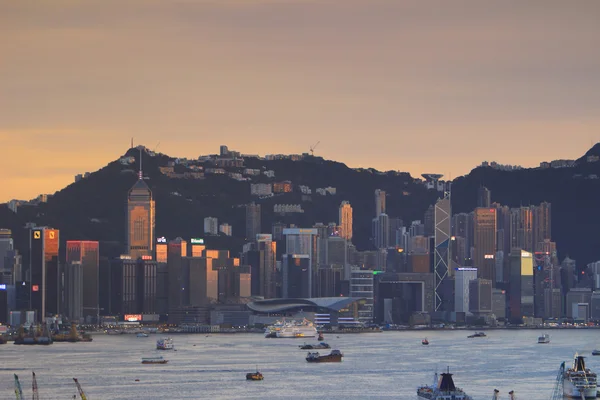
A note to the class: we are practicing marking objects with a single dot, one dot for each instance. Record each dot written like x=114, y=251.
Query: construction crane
x=34, y=388
x=98, y=309
x=81, y=393
x=18, y=390
x=313, y=147
x=557, y=393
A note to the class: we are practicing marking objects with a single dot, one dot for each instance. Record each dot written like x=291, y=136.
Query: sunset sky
x=417, y=86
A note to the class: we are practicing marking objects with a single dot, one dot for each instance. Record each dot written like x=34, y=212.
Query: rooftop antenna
x=132, y=142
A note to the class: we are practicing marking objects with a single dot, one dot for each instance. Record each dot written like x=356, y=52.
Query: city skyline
x=269, y=77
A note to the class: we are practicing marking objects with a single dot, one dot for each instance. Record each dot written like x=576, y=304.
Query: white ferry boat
x=271, y=330
x=442, y=390
x=545, y=338
x=294, y=329
x=165, y=344
x=578, y=381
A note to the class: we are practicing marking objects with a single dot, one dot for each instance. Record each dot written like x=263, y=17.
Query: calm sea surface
x=388, y=365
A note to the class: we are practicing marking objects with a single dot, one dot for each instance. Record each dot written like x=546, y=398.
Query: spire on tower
x=140, y=175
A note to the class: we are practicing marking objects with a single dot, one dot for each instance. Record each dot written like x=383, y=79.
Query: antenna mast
x=140, y=175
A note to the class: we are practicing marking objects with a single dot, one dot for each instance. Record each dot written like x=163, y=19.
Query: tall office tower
x=521, y=228
x=140, y=219
x=484, y=242
x=86, y=253
x=211, y=225
x=503, y=240
x=379, y=202
x=304, y=242
x=520, y=292
x=396, y=225
x=178, y=277
x=44, y=270
x=161, y=250
x=480, y=296
x=253, y=218
x=277, y=230
x=132, y=286
x=442, y=257
x=484, y=197
x=267, y=273
x=198, y=247
x=381, y=228
x=429, y=221
x=6, y=244
x=73, y=285
x=462, y=225
x=462, y=277
x=345, y=220
x=542, y=222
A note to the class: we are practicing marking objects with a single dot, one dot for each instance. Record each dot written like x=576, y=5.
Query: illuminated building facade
x=86, y=253
x=140, y=221
x=484, y=241
x=345, y=220
x=44, y=270
x=520, y=291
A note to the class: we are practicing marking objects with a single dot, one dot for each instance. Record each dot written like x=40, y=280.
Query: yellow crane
x=81, y=393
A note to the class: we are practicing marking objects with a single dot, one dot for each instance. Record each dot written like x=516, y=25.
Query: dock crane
x=81, y=393
x=313, y=147
x=18, y=390
x=34, y=388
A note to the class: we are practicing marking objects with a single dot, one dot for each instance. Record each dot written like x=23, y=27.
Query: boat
x=37, y=335
x=254, y=376
x=477, y=334
x=334, y=356
x=425, y=342
x=271, y=330
x=545, y=338
x=165, y=344
x=443, y=389
x=142, y=334
x=319, y=346
x=579, y=381
x=320, y=338
x=295, y=329
x=596, y=353
x=154, y=360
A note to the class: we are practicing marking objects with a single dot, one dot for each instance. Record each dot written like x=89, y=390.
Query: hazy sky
x=418, y=86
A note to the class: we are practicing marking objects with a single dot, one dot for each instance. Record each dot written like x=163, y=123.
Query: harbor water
x=387, y=365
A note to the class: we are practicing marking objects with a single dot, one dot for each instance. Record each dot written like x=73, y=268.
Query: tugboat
x=442, y=390
x=477, y=334
x=334, y=356
x=545, y=338
x=425, y=342
x=579, y=381
x=319, y=346
x=154, y=360
x=254, y=376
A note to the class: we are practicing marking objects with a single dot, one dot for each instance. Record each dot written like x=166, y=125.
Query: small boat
x=154, y=360
x=254, y=376
x=425, y=342
x=596, y=353
x=142, y=334
x=477, y=334
x=165, y=344
x=545, y=338
x=321, y=345
x=320, y=338
x=334, y=356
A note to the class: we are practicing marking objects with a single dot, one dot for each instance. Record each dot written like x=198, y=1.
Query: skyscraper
x=521, y=228
x=484, y=197
x=520, y=294
x=253, y=217
x=304, y=242
x=43, y=267
x=140, y=220
x=542, y=223
x=484, y=235
x=462, y=277
x=442, y=232
x=346, y=220
x=379, y=202
x=86, y=254
x=381, y=229
x=267, y=251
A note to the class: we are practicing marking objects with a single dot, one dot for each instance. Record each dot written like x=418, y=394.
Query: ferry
x=165, y=344
x=442, y=390
x=294, y=329
x=545, y=338
x=334, y=356
x=578, y=381
x=271, y=330
x=154, y=360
